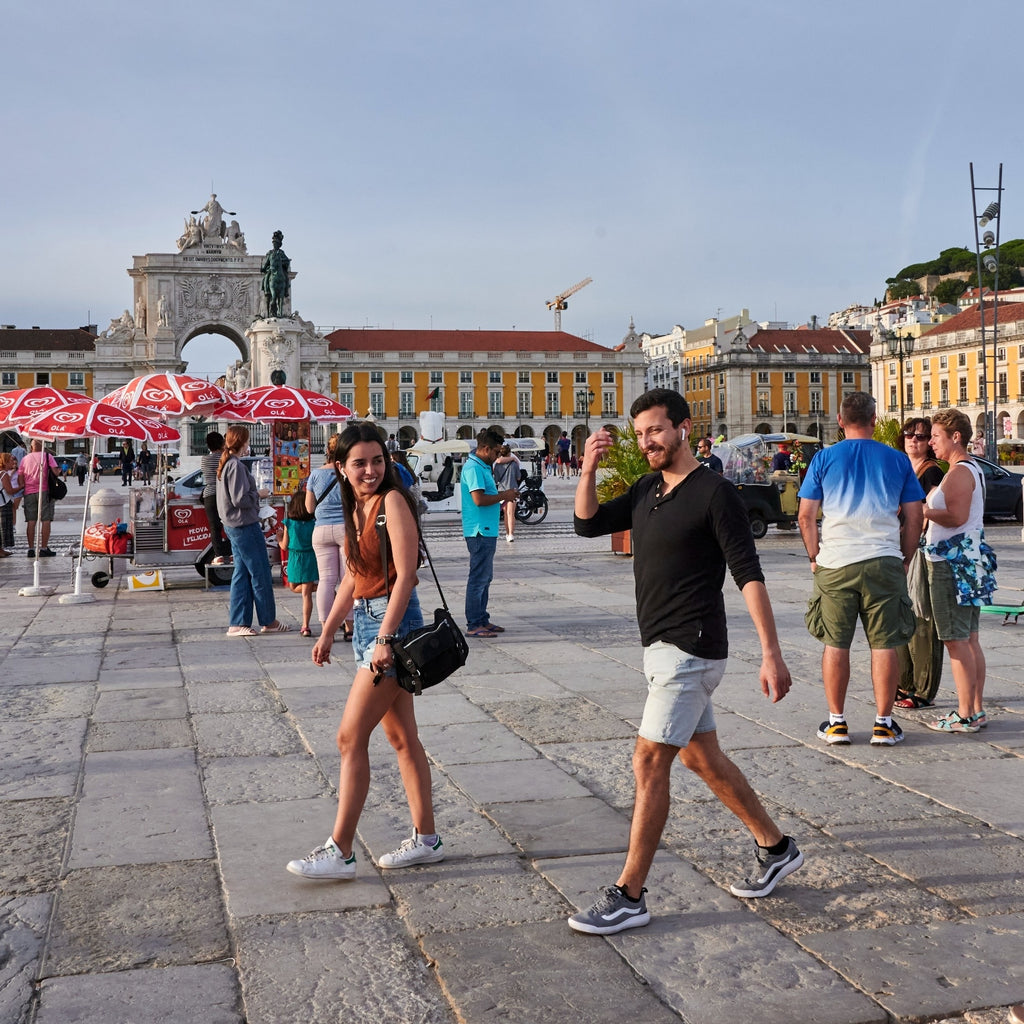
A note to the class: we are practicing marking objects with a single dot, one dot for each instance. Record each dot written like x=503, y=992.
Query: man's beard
x=664, y=455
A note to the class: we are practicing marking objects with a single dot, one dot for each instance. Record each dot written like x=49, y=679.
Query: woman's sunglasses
x=918, y=437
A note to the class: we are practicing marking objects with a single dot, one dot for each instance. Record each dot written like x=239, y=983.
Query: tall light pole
x=901, y=347
x=983, y=242
x=586, y=400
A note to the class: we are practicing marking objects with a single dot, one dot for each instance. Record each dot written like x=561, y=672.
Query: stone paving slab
x=256, y=841
x=141, y=677
x=359, y=967
x=532, y=780
x=147, y=735
x=118, y=918
x=536, y=973
x=474, y=743
x=70, y=700
x=140, y=705
x=241, y=780
x=552, y=828
x=572, y=719
x=23, y=923
x=925, y=970
x=706, y=956
x=247, y=733
x=32, y=838
x=54, y=668
x=171, y=995
x=41, y=758
x=240, y=696
x=140, y=807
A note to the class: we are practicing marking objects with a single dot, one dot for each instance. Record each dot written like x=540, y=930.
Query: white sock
x=836, y=719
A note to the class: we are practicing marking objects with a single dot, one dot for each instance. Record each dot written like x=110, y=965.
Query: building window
x=525, y=403
x=608, y=404
x=789, y=377
x=608, y=377
x=893, y=398
x=376, y=377
x=465, y=403
x=494, y=376
x=551, y=404
x=961, y=359
x=943, y=394
x=910, y=394
x=721, y=403
x=465, y=377
x=347, y=398
x=406, y=403
x=926, y=394
x=1001, y=354
x=344, y=376
x=76, y=379
x=552, y=376
x=436, y=377
x=815, y=376
x=764, y=403
x=377, y=403
x=982, y=390
x=762, y=376
x=42, y=379
x=847, y=376
x=943, y=362
x=8, y=380
x=816, y=405
x=962, y=391
x=405, y=376
x=1001, y=387
x=524, y=376
x=437, y=402
x=581, y=377
x=925, y=364
x=790, y=400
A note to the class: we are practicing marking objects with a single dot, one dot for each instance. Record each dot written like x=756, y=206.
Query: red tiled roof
x=822, y=342
x=62, y=340
x=970, y=319
x=371, y=339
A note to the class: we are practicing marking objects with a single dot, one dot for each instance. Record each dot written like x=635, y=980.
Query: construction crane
x=558, y=303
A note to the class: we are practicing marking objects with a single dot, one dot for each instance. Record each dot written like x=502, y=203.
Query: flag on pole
x=433, y=393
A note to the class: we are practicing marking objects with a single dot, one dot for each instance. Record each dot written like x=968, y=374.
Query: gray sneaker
x=613, y=912
x=325, y=861
x=774, y=867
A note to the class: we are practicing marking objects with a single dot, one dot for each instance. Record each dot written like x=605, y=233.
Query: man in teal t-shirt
x=481, y=520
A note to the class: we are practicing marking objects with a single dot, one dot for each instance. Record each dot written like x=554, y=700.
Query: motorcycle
x=532, y=504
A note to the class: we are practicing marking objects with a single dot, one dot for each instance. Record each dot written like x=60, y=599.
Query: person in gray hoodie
x=238, y=503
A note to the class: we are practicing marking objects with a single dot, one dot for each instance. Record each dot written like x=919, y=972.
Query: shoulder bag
x=428, y=655
x=58, y=488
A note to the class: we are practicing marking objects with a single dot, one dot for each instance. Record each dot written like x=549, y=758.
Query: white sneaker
x=509, y=538
x=411, y=852
x=325, y=861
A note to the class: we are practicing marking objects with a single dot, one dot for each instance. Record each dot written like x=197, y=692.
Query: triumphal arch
x=210, y=285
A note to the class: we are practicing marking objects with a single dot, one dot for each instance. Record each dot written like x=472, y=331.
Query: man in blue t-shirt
x=860, y=562
x=481, y=518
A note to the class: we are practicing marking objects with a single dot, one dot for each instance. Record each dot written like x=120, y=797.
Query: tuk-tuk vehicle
x=769, y=495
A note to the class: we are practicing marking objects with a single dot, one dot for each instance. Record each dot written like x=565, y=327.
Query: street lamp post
x=900, y=347
x=586, y=400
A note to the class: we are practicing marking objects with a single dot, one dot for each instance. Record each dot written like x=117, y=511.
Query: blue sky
x=455, y=164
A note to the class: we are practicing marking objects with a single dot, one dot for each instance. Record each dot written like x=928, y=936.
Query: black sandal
x=346, y=633
x=911, y=701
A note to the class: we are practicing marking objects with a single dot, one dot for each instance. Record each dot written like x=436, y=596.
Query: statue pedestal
x=276, y=345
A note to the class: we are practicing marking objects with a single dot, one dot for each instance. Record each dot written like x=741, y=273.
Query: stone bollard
x=106, y=505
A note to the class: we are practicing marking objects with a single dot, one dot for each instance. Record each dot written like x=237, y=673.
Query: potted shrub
x=621, y=467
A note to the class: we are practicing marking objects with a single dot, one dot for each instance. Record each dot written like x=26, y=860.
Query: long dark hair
x=353, y=434
x=235, y=440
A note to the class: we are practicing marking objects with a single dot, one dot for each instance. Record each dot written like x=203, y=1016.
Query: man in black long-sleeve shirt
x=688, y=525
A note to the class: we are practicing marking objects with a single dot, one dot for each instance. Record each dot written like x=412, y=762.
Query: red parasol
x=18, y=406
x=169, y=394
x=98, y=419
x=281, y=403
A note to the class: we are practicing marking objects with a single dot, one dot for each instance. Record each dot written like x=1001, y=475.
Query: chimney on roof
x=90, y=328
x=8, y=327
x=35, y=328
x=814, y=321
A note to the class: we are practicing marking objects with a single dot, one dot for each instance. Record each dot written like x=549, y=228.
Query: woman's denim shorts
x=368, y=614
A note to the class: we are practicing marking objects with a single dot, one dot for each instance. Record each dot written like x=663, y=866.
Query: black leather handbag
x=426, y=656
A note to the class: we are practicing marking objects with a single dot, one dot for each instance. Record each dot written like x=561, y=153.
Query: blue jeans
x=251, y=583
x=478, y=586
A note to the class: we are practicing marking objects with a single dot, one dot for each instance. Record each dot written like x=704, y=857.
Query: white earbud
x=683, y=436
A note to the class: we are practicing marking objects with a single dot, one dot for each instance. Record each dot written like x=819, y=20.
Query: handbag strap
x=327, y=490
x=382, y=538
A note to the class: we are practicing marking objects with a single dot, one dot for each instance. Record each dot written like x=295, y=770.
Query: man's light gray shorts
x=679, y=689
